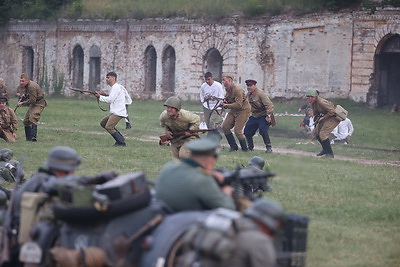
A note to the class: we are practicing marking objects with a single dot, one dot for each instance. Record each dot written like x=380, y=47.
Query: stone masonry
x=333, y=53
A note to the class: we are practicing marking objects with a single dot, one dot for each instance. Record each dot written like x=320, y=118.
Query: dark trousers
x=253, y=124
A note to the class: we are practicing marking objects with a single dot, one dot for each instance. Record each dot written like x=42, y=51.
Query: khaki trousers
x=34, y=112
x=237, y=121
x=7, y=135
x=324, y=128
x=109, y=122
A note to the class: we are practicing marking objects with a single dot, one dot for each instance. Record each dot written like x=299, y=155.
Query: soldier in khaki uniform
x=236, y=101
x=325, y=121
x=260, y=119
x=34, y=97
x=176, y=119
x=8, y=122
x=3, y=88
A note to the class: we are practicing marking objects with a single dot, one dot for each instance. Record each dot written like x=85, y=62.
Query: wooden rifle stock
x=165, y=138
x=20, y=99
x=87, y=92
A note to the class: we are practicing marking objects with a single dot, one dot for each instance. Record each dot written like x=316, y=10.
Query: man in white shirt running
x=342, y=132
x=211, y=95
x=117, y=102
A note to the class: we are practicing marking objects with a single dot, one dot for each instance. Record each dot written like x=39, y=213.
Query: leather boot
x=119, y=139
x=243, y=145
x=323, y=152
x=28, y=133
x=326, y=144
x=231, y=141
x=34, y=132
x=267, y=142
x=250, y=143
x=127, y=123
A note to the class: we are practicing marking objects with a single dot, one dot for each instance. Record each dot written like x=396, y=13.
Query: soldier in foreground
x=8, y=122
x=262, y=109
x=192, y=183
x=175, y=119
x=61, y=162
x=236, y=101
x=33, y=96
x=324, y=119
x=231, y=239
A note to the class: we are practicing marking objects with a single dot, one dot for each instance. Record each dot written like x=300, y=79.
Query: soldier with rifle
x=8, y=122
x=117, y=101
x=325, y=121
x=175, y=119
x=33, y=97
x=191, y=184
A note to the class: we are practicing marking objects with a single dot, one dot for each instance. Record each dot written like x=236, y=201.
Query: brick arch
x=168, y=71
x=150, y=69
x=213, y=62
x=77, y=66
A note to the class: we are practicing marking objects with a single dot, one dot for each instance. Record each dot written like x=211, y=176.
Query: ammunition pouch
x=89, y=257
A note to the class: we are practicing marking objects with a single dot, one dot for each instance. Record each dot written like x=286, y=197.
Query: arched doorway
x=387, y=70
x=77, y=67
x=168, y=65
x=94, y=68
x=213, y=63
x=28, y=60
x=150, y=69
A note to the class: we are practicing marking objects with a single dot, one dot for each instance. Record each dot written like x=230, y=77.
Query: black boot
x=250, y=143
x=323, y=152
x=243, y=145
x=28, y=133
x=127, y=123
x=326, y=144
x=34, y=132
x=119, y=139
x=267, y=142
x=231, y=142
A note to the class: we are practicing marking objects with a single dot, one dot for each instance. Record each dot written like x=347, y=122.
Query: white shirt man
x=211, y=94
x=343, y=131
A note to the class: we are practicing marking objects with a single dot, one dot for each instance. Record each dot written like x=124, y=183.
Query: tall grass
x=353, y=207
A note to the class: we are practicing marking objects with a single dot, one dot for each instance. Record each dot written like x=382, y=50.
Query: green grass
x=354, y=208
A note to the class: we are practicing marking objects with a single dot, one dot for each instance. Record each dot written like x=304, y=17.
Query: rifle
x=165, y=138
x=5, y=250
x=91, y=93
x=21, y=98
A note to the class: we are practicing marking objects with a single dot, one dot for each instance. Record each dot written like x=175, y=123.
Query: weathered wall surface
x=333, y=53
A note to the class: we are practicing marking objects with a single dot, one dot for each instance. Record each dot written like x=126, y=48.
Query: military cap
x=3, y=99
x=229, y=75
x=204, y=146
x=24, y=76
x=63, y=158
x=251, y=82
x=312, y=92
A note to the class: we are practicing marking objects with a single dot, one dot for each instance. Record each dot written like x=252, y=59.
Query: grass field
x=354, y=207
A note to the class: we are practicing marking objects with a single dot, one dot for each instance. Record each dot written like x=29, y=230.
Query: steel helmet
x=257, y=162
x=174, y=102
x=6, y=154
x=266, y=211
x=312, y=92
x=63, y=158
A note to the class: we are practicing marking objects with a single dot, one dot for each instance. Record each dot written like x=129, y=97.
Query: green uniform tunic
x=8, y=124
x=186, y=185
x=186, y=121
x=239, y=111
x=34, y=97
x=326, y=108
x=260, y=103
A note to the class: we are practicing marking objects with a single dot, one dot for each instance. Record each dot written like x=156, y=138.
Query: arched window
x=150, y=69
x=28, y=59
x=168, y=65
x=77, y=67
x=213, y=63
x=387, y=69
x=94, y=68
